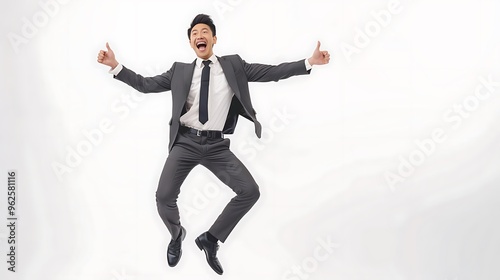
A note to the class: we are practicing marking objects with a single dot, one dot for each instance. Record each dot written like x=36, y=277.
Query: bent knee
x=166, y=197
x=252, y=193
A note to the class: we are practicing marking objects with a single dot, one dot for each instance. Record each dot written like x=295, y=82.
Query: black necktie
x=205, y=78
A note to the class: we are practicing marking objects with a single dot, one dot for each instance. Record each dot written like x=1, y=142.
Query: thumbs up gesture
x=107, y=57
x=319, y=57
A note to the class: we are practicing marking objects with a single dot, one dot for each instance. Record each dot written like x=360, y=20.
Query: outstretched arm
x=157, y=83
x=257, y=72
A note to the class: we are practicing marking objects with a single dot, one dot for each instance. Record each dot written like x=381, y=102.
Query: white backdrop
x=381, y=165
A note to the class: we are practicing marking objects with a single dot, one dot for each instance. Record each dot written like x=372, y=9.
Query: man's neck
x=200, y=60
x=208, y=57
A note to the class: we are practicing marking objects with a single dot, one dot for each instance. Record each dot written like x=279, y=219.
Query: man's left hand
x=319, y=57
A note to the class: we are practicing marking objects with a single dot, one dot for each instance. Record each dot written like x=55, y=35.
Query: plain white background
x=330, y=140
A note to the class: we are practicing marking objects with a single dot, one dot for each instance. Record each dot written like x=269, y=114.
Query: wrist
x=310, y=61
x=114, y=64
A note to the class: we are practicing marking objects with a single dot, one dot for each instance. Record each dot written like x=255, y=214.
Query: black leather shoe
x=210, y=249
x=174, y=250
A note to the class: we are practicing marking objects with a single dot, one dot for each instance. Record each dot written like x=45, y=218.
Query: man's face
x=202, y=40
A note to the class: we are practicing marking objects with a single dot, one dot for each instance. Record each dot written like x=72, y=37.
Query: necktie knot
x=206, y=62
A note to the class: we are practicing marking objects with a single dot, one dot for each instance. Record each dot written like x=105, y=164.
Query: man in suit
x=208, y=95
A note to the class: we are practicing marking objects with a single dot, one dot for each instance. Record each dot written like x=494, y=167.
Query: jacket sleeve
x=257, y=72
x=157, y=83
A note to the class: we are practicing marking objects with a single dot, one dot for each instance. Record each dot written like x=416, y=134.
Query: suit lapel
x=228, y=70
x=188, y=79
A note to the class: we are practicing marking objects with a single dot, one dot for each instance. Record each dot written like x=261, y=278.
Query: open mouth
x=202, y=46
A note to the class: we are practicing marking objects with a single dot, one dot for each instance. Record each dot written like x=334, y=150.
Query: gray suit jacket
x=238, y=73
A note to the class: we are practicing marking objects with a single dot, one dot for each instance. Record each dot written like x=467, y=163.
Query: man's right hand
x=107, y=57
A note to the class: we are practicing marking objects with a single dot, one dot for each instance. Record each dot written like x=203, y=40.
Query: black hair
x=202, y=18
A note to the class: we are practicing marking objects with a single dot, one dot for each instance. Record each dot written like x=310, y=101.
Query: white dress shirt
x=220, y=95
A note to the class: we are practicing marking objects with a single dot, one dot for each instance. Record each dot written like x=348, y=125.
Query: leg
x=181, y=160
x=231, y=171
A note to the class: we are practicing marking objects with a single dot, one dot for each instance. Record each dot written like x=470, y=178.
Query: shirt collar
x=213, y=58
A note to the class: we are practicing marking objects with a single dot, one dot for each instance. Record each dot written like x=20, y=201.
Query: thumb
x=107, y=47
x=318, y=45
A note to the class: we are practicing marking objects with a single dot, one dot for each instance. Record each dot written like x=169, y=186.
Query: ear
x=215, y=40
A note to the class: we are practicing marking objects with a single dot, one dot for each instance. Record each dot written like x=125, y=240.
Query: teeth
x=198, y=44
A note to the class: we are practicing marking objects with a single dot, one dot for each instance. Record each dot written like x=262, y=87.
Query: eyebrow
x=204, y=28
